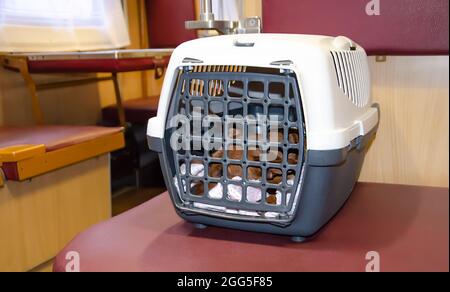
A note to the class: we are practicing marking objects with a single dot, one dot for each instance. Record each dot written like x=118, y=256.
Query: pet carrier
x=264, y=132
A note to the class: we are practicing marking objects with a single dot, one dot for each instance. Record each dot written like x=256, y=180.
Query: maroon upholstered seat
x=408, y=226
x=42, y=147
x=404, y=27
x=53, y=137
x=137, y=111
x=96, y=65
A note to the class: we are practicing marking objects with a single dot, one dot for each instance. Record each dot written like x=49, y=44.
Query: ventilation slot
x=353, y=76
x=215, y=87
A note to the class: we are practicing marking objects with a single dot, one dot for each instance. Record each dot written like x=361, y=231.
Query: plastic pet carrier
x=264, y=132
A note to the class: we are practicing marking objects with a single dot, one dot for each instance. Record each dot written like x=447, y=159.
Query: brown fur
x=274, y=175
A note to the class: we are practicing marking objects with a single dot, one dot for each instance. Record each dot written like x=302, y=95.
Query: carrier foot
x=298, y=239
x=200, y=226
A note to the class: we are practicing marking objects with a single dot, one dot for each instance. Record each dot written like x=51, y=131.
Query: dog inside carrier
x=264, y=132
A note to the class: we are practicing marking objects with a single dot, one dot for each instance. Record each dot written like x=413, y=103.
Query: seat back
x=411, y=86
x=165, y=21
x=403, y=27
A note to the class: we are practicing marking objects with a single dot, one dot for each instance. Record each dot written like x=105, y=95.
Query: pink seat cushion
x=404, y=27
x=137, y=111
x=97, y=65
x=408, y=227
x=53, y=137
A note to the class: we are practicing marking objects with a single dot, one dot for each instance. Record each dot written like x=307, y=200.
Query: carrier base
x=329, y=180
x=299, y=239
x=200, y=226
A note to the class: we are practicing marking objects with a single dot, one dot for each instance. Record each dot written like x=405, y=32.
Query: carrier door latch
x=282, y=63
x=243, y=44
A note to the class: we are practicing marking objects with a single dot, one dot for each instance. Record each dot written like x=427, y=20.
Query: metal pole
x=206, y=13
x=208, y=22
x=119, y=104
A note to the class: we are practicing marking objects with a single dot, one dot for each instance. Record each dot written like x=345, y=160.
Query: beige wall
x=412, y=145
x=75, y=105
x=253, y=8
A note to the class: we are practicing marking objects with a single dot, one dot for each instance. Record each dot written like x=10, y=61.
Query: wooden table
x=408, y=227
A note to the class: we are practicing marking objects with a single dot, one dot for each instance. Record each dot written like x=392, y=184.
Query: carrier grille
x=254, y=168
x=353, y=76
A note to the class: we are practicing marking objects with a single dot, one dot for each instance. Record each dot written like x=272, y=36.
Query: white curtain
x=62, y=25
x=228, y=9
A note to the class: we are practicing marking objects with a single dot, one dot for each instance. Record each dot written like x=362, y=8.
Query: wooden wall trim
x=39, y=217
